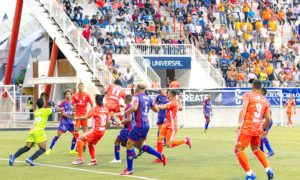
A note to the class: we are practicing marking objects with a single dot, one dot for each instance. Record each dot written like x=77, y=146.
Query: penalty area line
x=85, y=170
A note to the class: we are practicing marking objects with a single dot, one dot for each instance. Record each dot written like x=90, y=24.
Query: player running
x=161, y=99
x=291, y=110
x=169, y=129
x=249, y=130
x=207, y=111
x=81, y=100
x=36, y=134
x=114, y=94
x=100, y=116
x=123, y=135
x=264, y=139
x=66, y=122
x=141, y=106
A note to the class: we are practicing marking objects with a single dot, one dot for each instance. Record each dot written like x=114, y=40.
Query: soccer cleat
x=157, y=161
x=270, y=174
x=11, y=159
x=164, y=159
x=205, y=130
x=77, y=162
x=84, y=148
x=73, y=152
x=189, y=142
x=48, y=151
x=115, y=161
x=30, y=161
x=139, y=154
x=126, y=172
x=92, y=163
x=270, y=154
x=252, y=177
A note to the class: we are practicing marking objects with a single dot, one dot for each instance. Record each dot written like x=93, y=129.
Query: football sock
x=261, y=145
x=261, y=157
x=79, y=148
x=177, y=143
x=38, y=153
x=84, y=143
x=76, y=135
x=165, y=141
x=92, y=151
x=117, y=152
x=160, y=146
x=243, y=160
x=206, y=125
x=150, y=150
x=267, y=144
x=53, y=142
x=158, y=133
x=130, y=156
x=21, y=151
x=73, y=143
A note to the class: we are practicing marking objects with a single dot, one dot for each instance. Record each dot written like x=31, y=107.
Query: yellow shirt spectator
x=270, y=69
x=272, y=25
x=245, y=7
x=249, y=27
x=257, y=70
x=280, y=14
x=258, y=25
x=221, y=7
x=154, y=41
x=237, y=26
x=263, y=76
x=246, y=36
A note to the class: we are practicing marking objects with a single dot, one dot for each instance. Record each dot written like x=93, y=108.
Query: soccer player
x=291, y=110
x=100, y=116
x=123, y=135
x=249, y=130
x=141, y=106
x=66, y=122
x=161, y=99
x=264, y=139
x=169, y=129
x=81, y=100
x=207, y=111
x=114, y=94
x=36, y=134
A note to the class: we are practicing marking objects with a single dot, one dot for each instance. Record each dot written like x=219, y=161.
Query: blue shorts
x=64, y=127
x=161, y=120
x=269, y=127
x=138, y=133
x=207, y=117
x=123, y=136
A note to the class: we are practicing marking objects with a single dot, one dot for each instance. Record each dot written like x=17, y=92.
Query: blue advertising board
x=163, y=62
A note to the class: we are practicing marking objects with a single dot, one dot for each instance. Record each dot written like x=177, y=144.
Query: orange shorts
x=82, y=123
x=289, y=114
x=93, y=136
x=113, y=107
x=168, y=133
x=243, y=140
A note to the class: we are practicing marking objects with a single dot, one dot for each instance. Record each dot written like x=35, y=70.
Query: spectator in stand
x=100, y=4
x=68, y=6
x=86, y=21
x=154, y=41
x=174, y=84
x=86, y=33
x=93, y=41
x=108, y=44
x=117, y=44
x=213, y=59
x=290, y=16
x=221, y=6
x=266, y=16
x=251, y=76
x=231, y=82
x=155, y=85
x=246, y=10
x=109, y=29
x=241, y=78
x=281, y=16
x=129, y=77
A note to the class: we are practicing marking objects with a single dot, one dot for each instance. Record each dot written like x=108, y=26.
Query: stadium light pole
x=13, y=42
x=51, y=69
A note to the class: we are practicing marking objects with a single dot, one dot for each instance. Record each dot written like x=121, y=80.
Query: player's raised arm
x=127, y=120
x=242, y=112
x=133, y=108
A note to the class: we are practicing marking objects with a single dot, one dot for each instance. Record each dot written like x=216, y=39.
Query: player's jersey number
x=37, y=120
x=116, y=91
x=257, y=113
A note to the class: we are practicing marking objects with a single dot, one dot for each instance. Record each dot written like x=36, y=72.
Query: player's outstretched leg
x=21, y=151
x=117, y=152
x=80, y=152
x=92, y=153
x=206, y=125
x=73, y=144
x=241, y=155
x=53, y=142
x=268, y=146
x=39, y=152
x=262, y=158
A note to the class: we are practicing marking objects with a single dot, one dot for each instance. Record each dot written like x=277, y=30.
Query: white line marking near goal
x=86, y=170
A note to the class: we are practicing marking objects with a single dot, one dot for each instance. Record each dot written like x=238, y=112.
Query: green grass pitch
x=212, y=157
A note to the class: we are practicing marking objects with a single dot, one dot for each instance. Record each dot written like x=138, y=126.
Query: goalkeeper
x=36, y=134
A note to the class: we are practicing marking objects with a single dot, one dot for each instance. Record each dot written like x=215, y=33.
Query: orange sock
x=121, y=118
x=76, y=135
x=177, y=143
x=84, y=143
x=79, y=148
x=160, y=146
x=92, y=151
x=261, y=157
x=243, y=160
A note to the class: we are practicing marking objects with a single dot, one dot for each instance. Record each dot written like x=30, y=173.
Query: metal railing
x=78, y=41
x=143, y=65
x=212, y=72
x=165, y=49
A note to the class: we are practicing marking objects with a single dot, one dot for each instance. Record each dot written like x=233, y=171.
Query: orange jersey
x=257, y=107
x=114, y=94
x=100, y=116
x=81, y=101
x=290, y=105
x=172, y=110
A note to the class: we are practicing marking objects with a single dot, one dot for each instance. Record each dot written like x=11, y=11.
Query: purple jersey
x=207, y=106
x=141, y=114
x=161, y=100
x=129, y=126
x=67, y=108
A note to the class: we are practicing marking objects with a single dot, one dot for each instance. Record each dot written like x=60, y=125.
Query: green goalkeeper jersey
x=41, y=117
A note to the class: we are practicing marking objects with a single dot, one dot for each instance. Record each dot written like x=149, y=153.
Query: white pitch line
x=86, y=170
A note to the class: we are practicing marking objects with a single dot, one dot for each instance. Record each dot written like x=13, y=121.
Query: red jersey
x=257, y=107
x=290, y=105
x=81, y=101
x=100, y=116
x=172, y=110
x=174, y=84
x=114, y=93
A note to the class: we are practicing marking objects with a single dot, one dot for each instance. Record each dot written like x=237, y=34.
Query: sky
x=8, y=7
